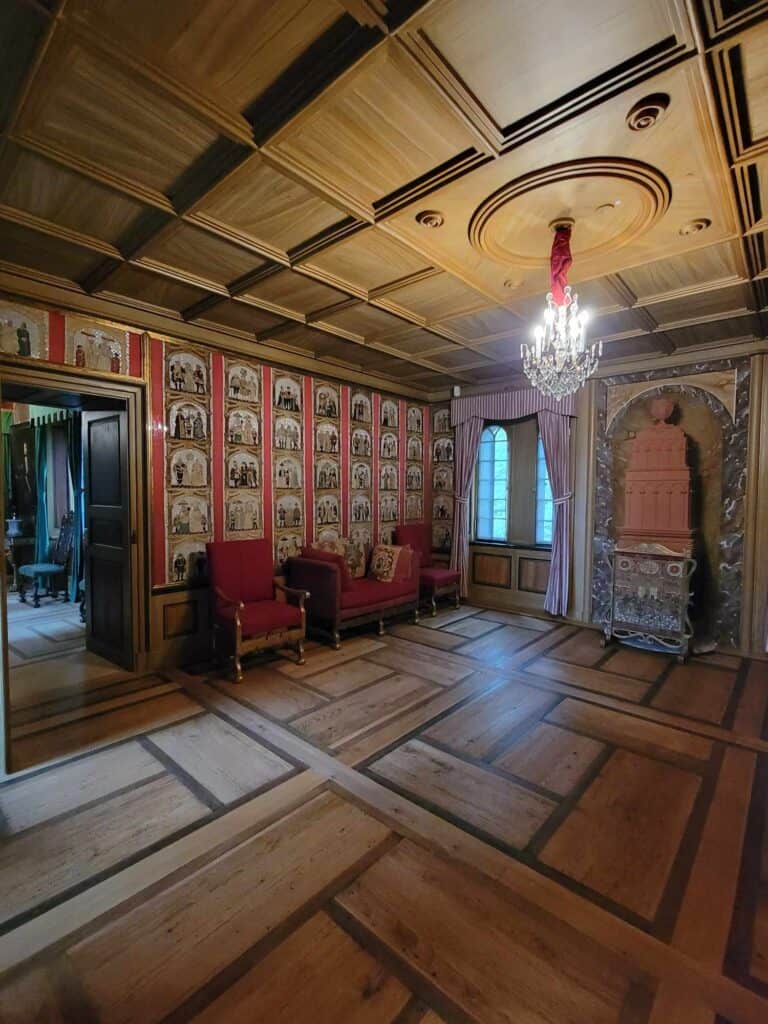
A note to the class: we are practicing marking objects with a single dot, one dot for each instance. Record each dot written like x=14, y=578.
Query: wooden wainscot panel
x=532, y=575
x=180, y=619
x=508, y=578
x=179, y=627
x=492, y=570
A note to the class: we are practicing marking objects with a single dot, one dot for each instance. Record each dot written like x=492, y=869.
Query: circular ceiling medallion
x=647, y=111
x=692, y=227
x=430, y=219
x=513, y=226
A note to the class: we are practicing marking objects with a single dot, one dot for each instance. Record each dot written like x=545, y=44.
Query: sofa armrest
x=321, y=579
x=298, y=596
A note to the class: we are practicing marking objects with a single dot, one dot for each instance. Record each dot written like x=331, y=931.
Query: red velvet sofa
x=333, y=607
x=434, y=580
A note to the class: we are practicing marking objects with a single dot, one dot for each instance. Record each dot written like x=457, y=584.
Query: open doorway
x=67, y=548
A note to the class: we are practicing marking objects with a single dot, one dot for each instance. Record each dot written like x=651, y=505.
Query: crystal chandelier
x=559, y=361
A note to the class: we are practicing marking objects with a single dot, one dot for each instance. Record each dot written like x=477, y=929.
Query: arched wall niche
x=717, y=454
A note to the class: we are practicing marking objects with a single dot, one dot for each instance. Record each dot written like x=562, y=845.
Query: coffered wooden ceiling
x=369, y=183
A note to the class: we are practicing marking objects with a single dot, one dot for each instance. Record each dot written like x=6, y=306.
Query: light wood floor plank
x=332, y=724
x=492, y=804
x=440, y=638
x=704, y=920
x=673, y=1007
x=199, y=846
x=478, y=726
x=551, y=757
x=184, y=936
x=471, y=629
x=360, y=749
x=589, y=679
x=628, y=661
x=32, y=998
x=624, y=833
x=338, y=982
x=498, y=647
x=516, y=619
x=495, y=957
x=272, y=692
x=336, y=682
x=321, y=658
x=38, y=865
x=584, y=648
x=696, y=692
x=57, y=790
x=423, y=662
x=220, y=757
x=91, y=709
x=92, y=733
x=446, y=615
x=750, y=713
x=627, y=731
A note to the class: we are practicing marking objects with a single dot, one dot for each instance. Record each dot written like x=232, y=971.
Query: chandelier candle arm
x=559, y=362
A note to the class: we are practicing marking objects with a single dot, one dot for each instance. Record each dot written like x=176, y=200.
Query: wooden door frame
x=134, y=394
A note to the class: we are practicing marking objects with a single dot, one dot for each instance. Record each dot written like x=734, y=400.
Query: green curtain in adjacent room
x=42, y=538
x=7, y=423
x=75, y=457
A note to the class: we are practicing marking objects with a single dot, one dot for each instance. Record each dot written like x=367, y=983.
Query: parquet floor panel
x=482, y=818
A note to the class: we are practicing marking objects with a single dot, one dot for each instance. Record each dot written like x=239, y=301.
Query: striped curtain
x=42, y=536
x=555, y=433
x=465, y=445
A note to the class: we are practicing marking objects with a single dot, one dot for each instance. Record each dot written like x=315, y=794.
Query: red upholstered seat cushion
x=433, y=578
x=419, y=537
x=242, y=569
x=367, y=593
x=261, y=617
x=320, y=555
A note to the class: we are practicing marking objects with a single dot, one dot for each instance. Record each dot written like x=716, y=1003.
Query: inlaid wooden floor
x=485, y=817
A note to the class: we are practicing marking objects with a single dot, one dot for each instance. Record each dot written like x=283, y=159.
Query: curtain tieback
x=565, y=497
x=461, y=501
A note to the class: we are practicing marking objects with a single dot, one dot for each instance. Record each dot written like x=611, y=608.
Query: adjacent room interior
x=384, y=605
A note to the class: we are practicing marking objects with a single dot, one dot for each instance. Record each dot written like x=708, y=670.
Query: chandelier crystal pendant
x=559, y=361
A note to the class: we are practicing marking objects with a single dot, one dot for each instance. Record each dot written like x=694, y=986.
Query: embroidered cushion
x=353, y=554
x=384, y=561
x=356, y=556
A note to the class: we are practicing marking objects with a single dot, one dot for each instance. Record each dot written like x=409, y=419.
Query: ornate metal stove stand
x=650, y=595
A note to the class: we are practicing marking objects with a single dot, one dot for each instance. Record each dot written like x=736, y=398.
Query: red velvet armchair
x=246, y=614
x=434, y=581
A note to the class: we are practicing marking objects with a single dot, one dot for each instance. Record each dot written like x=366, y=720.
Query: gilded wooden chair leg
x=457, y=599
x=336, y=638
x=238, y=669
x=300, y=652
x=381, y=627
x=433, y=602
x=416, y=614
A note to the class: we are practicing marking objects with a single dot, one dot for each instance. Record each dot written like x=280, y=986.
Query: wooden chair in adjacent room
x=53, y=569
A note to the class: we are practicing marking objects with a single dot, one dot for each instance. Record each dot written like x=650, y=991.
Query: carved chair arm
x=225, y=599
x=300, y=595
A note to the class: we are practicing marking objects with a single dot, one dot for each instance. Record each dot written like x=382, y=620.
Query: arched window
x=544, y=505
x=493, y=484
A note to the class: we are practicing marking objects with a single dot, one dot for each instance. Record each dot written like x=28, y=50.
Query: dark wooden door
x=108, y=539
